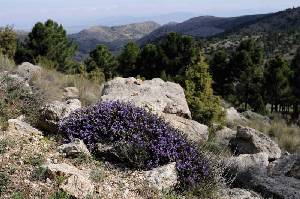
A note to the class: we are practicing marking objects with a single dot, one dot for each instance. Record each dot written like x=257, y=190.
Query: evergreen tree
x=49, y=40
x=8, y=41
x=295, y=83
x=128, y=60
x=102, y=60
x=277, y=76
x=205, y=107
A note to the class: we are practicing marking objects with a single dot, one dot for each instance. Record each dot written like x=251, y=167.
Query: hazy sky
x=24, y=13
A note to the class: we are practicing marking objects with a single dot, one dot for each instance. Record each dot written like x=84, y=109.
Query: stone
x=17, y=125
x=194, y=131
x=76, y=182
x=71, y=93
x=255, y=116
x=162, y=178
x=74, y=149
x=154, y=95
x=223, y=137
x=248, y=163
x=232, y=115
x=288, y=165
x=237, y=193
x=28, y=70
x=250, y=141
x=53, y=113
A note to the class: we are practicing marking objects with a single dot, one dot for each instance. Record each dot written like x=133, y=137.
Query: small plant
x=17, y=195
x=35, y=160
x=60, y=195
x=148, y=137
x=4, y=179
x=97, y=175
x=39, y=174
x=3, y=146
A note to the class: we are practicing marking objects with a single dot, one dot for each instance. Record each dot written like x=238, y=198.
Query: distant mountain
x=203, y=26
x=114, y=37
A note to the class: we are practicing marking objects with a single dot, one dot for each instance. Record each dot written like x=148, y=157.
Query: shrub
x=17, y=99
x=116, y=122
x=4, y=179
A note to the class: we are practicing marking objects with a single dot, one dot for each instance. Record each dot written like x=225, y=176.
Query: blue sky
x=24, y=13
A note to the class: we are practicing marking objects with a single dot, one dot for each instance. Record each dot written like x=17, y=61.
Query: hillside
x=114, y=37
x=203, y=26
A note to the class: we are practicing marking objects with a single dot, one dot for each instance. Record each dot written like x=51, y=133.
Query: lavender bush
x=117, y=122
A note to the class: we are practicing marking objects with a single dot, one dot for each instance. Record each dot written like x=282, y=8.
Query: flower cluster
x=118, y=122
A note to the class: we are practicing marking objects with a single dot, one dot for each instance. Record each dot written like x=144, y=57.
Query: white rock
x=74, y=149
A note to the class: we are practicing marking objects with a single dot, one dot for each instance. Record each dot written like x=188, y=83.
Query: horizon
x=77, y=15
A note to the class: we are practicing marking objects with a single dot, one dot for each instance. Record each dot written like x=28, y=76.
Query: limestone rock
x=255, y=116
x=76, y=183
x=233, y=115
x=288, y=165
x=54, y=112
x=223, y=137
x=74, y=149
x=155, y=95
x=237, y=193
x=28, y=70
x=162, y=178
x=250, y=141
x=71, y=93
x=17, y=125
x=194, y=131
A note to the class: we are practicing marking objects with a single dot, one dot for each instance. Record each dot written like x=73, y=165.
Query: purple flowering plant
x=119, y=122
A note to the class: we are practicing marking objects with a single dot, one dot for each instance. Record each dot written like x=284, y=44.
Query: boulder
x=255, y=116
x=28, y=70
x=53, y=113
x=154, y=95
x=17, y=125
x=237, y=193
x=288, y=165
x=194, y=131
x=71, y=93
x=74, y=149
x=250, y=141
x=223, y=137
x=233, y=115
x=162, y=178
x=244, y=164
x=76, y=182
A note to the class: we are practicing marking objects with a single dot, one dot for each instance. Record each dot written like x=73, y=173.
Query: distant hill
x=203, y=26
x=114, y=37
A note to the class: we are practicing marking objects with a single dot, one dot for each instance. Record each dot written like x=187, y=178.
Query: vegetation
x=8, y=41
x=151, y=141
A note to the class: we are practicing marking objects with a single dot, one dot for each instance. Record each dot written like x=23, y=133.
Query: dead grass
x=52, y=83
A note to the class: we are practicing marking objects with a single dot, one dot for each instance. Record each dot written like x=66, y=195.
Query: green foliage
x=205, y=107
x=17, y=99
x=102, y=60
x=277, y=78
x=8, y=41
x=97, y=175
x=49, y=40
x=295, y=82
x=128, y=60
x=60, y=195
x=4, y=180
x=17, y=195
x=39, y=174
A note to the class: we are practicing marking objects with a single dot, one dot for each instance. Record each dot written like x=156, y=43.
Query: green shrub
x=60, y=195
x=4, y=179
x=39, y=174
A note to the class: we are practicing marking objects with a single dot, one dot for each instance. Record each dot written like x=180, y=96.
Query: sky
x=22, y=14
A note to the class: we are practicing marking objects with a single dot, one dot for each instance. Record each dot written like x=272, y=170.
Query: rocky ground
x=35, y=163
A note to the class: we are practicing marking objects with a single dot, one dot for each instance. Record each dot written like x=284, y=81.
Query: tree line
x=242, y=77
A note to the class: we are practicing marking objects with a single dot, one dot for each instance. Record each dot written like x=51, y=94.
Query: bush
x=17, y=99
x=4, y=179
x=157, y=143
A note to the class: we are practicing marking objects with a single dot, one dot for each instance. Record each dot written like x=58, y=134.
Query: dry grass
x=52, y=83
x=6, y=64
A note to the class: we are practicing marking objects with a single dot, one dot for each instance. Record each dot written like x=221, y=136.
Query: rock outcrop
x=54, y=112
x=288, y=165
x=194, y=131
x=232, y=115
x=76, y=182
x=223, y=137
x=250, y=141
x=154, y=95
x=74, y=149
x=237, y=193
x=71, y=93
x=28, y=70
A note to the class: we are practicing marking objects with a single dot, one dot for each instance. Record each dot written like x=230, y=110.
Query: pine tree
x=128, y=60
x=49, y=40
x=8, y=41
x=102, y=60
x=205, y=107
